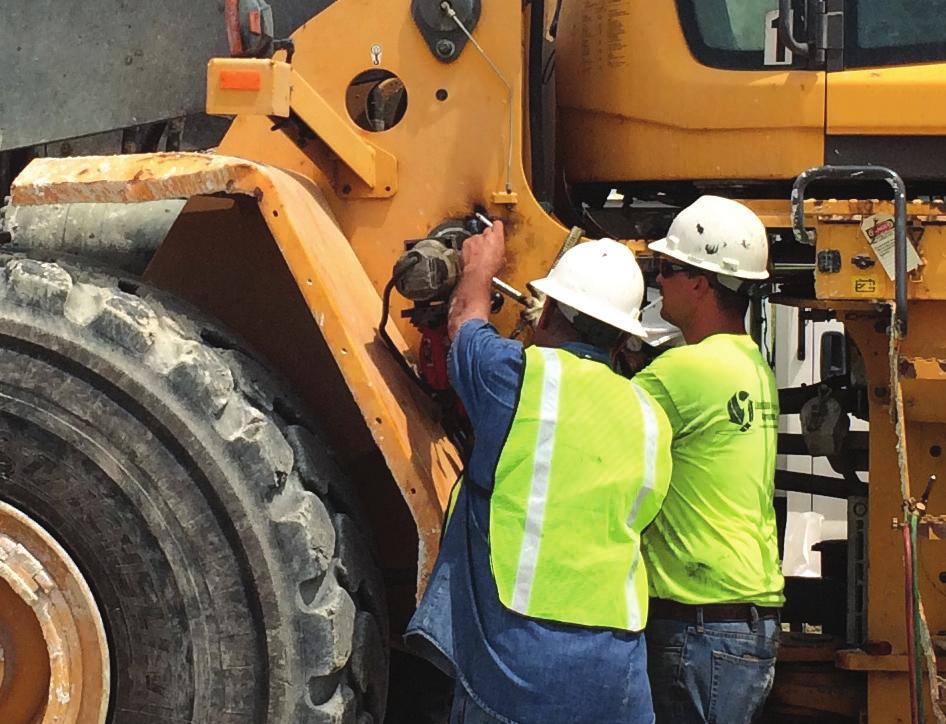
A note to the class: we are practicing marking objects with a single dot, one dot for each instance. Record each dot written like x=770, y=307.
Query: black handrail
x=863, y=173
x=785, y=32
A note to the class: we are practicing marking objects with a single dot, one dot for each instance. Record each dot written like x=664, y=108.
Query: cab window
x=894, y=32
x=728, y=33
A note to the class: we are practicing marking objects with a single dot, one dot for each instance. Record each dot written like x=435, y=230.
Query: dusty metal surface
x=924, y=429
x=375, y=168
x=118, y=236
x=50, y=626
x=112, y=64
x=860, y=274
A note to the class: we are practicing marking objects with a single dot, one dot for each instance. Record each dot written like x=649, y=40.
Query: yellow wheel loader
x=225, y=456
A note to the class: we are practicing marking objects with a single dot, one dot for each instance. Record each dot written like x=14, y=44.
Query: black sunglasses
x=667, y=268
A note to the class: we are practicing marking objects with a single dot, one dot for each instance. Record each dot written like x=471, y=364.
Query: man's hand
x=484, y=256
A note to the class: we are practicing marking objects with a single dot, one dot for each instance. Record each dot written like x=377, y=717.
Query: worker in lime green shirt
x=715, y=577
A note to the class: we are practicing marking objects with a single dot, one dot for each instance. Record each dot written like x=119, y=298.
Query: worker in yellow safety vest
x=539, y=596
x=712, y=554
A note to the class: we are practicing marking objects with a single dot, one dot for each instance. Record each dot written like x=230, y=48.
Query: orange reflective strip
x=247, y=80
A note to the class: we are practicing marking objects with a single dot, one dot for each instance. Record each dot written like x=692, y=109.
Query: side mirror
x=834, y=358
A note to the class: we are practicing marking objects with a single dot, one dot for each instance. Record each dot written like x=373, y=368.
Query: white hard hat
x=718, y=235
x=600, y=279
x=658, y=331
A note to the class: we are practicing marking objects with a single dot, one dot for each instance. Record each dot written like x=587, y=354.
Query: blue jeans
x=465, y=710
x=708, y=672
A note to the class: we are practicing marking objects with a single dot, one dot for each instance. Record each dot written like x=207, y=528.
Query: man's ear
x=701, y=285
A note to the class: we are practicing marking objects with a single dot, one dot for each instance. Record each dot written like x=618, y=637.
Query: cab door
x=684, y=90
x=886, y=97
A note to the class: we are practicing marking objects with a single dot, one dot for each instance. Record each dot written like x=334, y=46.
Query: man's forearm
x=483, y=258
x=470, y=300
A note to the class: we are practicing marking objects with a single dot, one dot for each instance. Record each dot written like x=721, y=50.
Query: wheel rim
x=54, y=663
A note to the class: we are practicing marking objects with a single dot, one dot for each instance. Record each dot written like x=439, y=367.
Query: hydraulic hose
x=910, y=607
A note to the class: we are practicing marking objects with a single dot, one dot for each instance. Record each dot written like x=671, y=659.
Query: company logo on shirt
x=741, y=410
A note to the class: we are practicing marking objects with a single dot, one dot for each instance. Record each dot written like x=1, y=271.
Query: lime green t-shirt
x=714, y=540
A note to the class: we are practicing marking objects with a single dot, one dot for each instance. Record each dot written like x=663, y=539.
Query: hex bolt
x=445, y=48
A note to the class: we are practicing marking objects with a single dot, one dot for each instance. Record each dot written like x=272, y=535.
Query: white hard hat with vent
x=600, y=279
x=718, y=235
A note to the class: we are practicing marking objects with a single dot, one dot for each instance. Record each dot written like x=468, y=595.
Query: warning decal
x=880, y=234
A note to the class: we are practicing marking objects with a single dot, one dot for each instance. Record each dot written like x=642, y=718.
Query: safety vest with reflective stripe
x=584, y=469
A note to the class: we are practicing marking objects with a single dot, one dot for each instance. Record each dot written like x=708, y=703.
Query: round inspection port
x=376, y=100
x=55, y=654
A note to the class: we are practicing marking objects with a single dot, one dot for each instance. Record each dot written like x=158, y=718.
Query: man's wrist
x=477, y=275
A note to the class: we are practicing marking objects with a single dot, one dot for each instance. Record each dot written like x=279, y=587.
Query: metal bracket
x=856, y=174
x=369, y=171
x=444, y=38
x=829, y=261
x=829, y=33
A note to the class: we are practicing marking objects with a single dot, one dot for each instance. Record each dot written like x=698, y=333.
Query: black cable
x=386, y=338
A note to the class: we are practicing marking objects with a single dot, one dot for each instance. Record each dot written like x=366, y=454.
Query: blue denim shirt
x=517, y=668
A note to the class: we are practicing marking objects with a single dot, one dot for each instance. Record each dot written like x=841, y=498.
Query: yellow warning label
x=864, y=286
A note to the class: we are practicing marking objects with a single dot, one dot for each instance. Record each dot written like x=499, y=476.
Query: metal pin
x=500, y=286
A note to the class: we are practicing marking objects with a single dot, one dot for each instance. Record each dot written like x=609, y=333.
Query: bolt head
x=445, y=48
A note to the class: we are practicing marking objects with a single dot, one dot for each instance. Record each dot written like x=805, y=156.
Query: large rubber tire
x=217, y=534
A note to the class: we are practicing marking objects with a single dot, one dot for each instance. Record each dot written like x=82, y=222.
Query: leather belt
x=716, y=612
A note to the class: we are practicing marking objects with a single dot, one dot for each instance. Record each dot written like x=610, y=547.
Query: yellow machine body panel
x=451, y=154
x=898, y=100
x=861, y=275
x=635, y=104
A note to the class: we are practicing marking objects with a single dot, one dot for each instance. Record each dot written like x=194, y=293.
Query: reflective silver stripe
x=634, y=622
x=651, y=435
x=539, y=486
